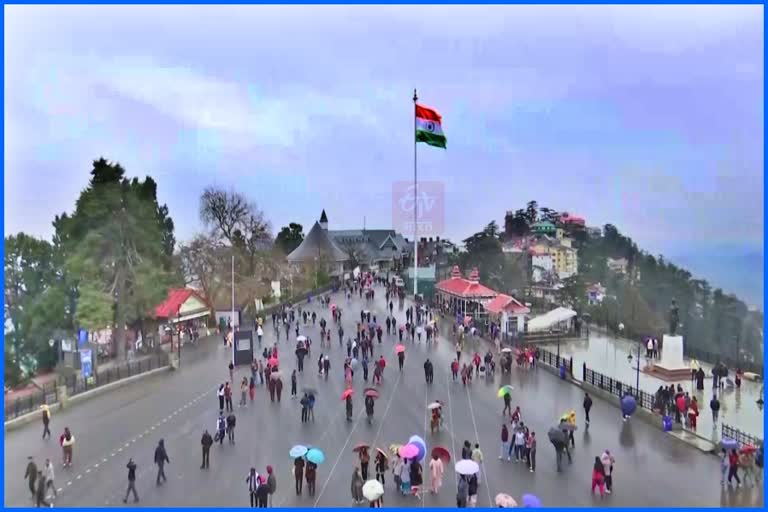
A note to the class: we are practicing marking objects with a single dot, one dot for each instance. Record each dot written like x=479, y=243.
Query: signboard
x=66, y=345
x=86, y=362
x=276, y=289
x=82, y=337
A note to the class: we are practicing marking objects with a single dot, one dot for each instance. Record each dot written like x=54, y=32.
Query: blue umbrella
x=421, y=445
x=298, y=451
x=531, y=501
x=628, y=405
x=315, y=456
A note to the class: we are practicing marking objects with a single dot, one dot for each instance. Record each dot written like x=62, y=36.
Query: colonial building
x=508, y=313
x=318, y=248
x=463, y=296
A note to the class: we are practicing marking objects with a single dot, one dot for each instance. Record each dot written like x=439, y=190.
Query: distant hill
x=736, y=269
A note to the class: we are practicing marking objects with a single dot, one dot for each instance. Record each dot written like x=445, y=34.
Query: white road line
x=453, y=439
x=120, y=449
x=127, y=445
x=477, y=437
x=59, y=489
x=96, y=465
x=104, y=460
x=113, y=454
x=338, y=459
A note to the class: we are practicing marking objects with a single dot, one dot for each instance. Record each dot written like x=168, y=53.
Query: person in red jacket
x=693, y=413
x=455, y=369
x=598, y=477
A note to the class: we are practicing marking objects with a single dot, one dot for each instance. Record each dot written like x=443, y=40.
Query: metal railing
x=77, y=384
x=15, y=407
x=729, y=432
x=730, y=362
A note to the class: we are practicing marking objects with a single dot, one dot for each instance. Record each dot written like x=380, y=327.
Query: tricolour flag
x=429, y=127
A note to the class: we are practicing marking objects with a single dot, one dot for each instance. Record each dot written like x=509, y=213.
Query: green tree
x=117, y=244
x=290, y=237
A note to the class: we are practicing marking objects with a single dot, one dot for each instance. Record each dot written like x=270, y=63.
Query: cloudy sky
x=646, y=117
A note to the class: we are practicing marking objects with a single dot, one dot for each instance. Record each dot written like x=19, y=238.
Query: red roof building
x=505, y=303
x=463, y=288
x=182, y=304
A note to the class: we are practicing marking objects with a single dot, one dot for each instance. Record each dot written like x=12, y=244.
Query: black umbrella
x=310, y=391
x=556, y=436
x=568, y=427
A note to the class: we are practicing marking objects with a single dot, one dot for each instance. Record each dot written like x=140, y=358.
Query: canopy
x=550, y=319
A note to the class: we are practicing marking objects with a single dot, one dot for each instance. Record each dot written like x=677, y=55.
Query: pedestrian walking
x=161, y=457
x=519, y=443
x=221, y=427
x=243, y=392
x=436, y=471
x=714, y=404
x=231, y=428
x=220, y=395
x=252, y=389
x=228, y=397
x=293, y=384
x=417, y=478
x=472, y=491
x=504, y=442
x=380, y=463
x=131, y=482
x=46, y=416
x=231, y=372
x=462, y=492
x=608, y=461
x=587, y=404
x=365, y=460
x=598, y=477
x=733, y=468
x=31, y=475
x=298, y=474
x=40, y=492
x=206, y=442
x=311, y=476
x=253, y=484
x=262, y=493
x=507, y=404
x=271, y=484
x=531, y=449
x=357, y=487
x=67, y=441
x=49, y=475
x=477, y=456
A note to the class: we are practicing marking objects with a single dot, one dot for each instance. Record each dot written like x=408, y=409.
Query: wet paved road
x=652, y=468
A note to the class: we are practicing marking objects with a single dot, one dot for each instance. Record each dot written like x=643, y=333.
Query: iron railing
x=77, y=384
x=729, y=432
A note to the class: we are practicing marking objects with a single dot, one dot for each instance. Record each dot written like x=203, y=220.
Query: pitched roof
x=316, y=244
x=176, y=298
x=324, y=217
x=468, y=288
x=506, y=303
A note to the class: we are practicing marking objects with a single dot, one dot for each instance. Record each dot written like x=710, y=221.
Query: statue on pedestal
x=674, y=318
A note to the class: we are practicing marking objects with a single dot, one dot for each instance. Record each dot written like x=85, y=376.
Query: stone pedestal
x=173, y=360
x=63, y=396
x=672, y=365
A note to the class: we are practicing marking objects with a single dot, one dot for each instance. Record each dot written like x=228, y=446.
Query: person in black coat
x=262, y=495
x=587, y=406
x=161, y=457
x=231, y=428
x=298, y=474
x=206, y=442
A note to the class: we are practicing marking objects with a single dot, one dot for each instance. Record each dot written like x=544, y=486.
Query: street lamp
x=637, y=370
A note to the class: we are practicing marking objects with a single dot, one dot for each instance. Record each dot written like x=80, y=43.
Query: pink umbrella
x=272, y=361
x=399, y=349
x=408, y=451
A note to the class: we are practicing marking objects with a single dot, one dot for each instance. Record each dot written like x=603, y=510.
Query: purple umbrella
x=531, y=501
x=409, y=451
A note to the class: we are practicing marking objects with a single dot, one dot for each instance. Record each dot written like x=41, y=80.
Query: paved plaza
x=652, y=468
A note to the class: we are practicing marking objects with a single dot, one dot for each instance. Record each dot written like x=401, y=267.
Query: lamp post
x=637, y=370
x=178, y=325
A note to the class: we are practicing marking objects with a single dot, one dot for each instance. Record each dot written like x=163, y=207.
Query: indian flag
x=429, y=127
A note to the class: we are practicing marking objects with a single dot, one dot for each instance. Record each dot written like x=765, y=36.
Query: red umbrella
x=748, y=448
x=359, y=447
x=442, y=453
x=399, y=348
x=272, y=361
x=372, y=393
x=347, y=393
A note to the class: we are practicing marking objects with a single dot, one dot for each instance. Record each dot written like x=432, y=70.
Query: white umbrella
x=467, y=467
x=301, y=338
x=373, y=490
x=506, y=350
x=505, y=501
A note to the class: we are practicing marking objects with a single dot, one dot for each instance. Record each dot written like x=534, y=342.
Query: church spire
x=323, y=220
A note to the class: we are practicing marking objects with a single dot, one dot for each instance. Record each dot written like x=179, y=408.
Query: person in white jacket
x=608, y=461
x=48, y=474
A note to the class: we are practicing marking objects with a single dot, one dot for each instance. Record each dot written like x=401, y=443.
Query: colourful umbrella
x=467, y=467
x=272, y=361
x=361, y=446
x=372, y=393
x=347, y=393
x=505, y=501
x=315, y=456
x=442, y=454
x=394, y=448
x=383, y=453
x=399, y=348
x=531, y=501
x=373, y=490
x=298, y=451
x=506, y=389
x=421, y=445
x=409, y=451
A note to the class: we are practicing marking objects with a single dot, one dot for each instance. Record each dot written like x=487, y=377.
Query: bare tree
x=204, y=264
x=355, y=252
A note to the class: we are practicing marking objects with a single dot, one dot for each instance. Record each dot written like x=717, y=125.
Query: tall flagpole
x=415, y=206
x=233, y=309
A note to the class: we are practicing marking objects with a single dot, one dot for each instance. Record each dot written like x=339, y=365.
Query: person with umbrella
x=357, y=487
x=436, y=471
x=369, y=412
x=380, y=464
x=608, y=461
x=416, y=477
x=311, y=476
x=365, y=459
x=462, y=491
x=298, y=474
x=507, y=404
x=401, y=359
x=348, y=401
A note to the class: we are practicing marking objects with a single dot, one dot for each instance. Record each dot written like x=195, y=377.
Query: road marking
x=95, y=465
x=88, y=470
x=338, y=459
x=113, y=454
x=120, y=449
x=477, y=437
x=78, y=477
x=453, y=439
x=69, y=483
x=59, y=489
x=128, y=444
x=105, y=460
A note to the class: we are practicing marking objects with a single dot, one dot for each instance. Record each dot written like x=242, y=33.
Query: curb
x=30, y=417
